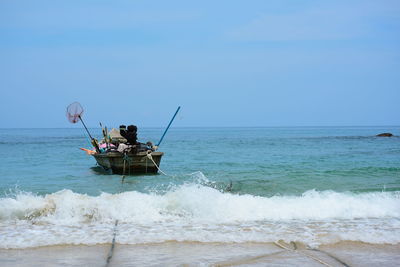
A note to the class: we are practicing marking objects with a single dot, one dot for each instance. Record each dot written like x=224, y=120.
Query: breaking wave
x=194, y=212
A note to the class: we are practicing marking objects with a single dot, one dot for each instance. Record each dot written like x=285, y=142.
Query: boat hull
x=134, y=163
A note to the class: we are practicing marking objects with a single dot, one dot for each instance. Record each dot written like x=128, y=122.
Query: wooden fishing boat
x=121, y=154
x=130, y=163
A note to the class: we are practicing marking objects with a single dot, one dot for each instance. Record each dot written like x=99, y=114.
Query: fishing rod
x=166, y=130
x=105, y=134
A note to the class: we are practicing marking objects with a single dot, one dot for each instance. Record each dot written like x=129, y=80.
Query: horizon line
x=182, y=127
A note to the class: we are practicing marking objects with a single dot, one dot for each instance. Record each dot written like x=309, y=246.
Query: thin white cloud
x=319, y=23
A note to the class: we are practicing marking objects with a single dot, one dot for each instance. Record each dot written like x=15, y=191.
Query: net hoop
x=74, y=112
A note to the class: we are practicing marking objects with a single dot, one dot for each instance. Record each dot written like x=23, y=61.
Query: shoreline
x=210, y=254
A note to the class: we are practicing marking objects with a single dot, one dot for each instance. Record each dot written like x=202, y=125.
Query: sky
x=226, y=63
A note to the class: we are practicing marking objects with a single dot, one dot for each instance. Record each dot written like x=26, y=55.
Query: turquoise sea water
x=327, y=183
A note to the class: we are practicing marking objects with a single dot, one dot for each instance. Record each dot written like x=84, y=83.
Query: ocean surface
x=315, y=185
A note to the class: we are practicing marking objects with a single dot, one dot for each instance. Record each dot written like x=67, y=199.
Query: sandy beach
x=206, y=254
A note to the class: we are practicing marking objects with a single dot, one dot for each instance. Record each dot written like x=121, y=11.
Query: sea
x=314, y=185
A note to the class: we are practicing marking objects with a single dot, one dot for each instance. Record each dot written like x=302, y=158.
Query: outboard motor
x=131, y=135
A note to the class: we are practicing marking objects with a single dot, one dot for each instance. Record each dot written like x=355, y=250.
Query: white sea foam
x=195, y=212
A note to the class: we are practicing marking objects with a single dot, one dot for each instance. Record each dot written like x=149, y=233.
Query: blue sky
x=227, y=63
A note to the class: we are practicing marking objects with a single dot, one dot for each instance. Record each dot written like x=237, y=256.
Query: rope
x=149, y=156
x=126, y=160
x=110, y=253
x=305, y=254
x=330, y=255
x=247, y=261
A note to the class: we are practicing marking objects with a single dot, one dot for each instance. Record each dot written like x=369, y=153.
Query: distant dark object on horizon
x=385, y=135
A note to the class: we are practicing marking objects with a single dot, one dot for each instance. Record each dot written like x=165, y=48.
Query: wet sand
x=206, y=254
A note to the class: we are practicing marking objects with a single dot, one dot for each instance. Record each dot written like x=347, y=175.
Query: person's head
x=122, y=127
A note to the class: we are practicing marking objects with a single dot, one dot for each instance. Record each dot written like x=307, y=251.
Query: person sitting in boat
x=122, y=130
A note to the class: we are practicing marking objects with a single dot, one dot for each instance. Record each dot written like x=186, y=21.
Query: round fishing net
x=74, y=112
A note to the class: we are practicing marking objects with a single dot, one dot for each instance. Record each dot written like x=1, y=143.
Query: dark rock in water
x=385, y=135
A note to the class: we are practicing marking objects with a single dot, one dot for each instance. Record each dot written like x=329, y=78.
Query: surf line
x=294, y=249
